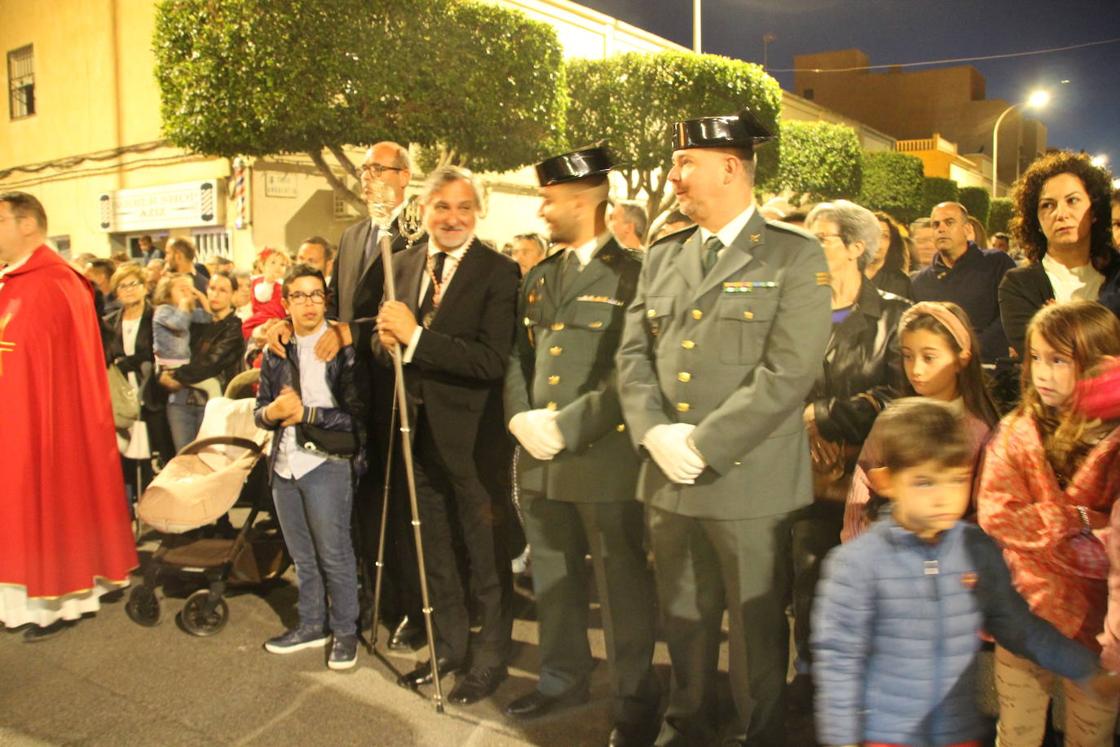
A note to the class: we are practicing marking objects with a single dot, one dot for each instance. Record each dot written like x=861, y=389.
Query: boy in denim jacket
x=316, y=412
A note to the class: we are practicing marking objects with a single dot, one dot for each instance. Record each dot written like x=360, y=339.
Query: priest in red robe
x=65, y=537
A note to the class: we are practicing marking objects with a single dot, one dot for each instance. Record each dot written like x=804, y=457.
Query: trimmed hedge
x=978, y=202
x=892, y=182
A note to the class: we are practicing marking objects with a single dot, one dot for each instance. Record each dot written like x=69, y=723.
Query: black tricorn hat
x=578, y=164
x=742, y=130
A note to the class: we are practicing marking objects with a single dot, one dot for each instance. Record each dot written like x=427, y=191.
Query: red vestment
x=63, y=517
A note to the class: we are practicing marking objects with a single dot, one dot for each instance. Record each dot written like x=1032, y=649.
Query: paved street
x=108, y=681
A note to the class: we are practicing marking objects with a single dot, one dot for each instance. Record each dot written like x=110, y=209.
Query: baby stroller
x=188, y=503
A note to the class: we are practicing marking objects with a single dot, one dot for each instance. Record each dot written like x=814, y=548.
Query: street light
x=1100, y=160
x=1037, y=100
x=696, y=46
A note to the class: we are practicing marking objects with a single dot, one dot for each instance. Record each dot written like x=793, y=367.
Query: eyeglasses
x=315, y=297
x=130, y=286
x=823, y=237
x=376, y=169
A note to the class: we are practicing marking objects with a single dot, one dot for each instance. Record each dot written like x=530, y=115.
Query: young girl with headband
x=941, y=358
x=1051, y=476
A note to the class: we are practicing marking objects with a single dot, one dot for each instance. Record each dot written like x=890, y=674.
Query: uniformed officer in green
x=721, y=345
x=577, y=469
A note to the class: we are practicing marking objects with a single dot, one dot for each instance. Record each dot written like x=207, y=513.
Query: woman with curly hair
x=1062, y=221
x=889, y=267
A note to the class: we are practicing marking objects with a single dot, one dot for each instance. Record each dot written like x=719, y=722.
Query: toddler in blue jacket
x=899, y=610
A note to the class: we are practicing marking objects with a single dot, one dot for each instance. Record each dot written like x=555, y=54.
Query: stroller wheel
x=142, y=606
x=197, y=621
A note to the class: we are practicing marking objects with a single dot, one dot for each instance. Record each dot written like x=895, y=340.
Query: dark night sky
x=1084, y=113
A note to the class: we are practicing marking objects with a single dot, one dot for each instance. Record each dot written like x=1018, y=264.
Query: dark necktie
x=427, y=306
x=371, y=247
x=711, y=252
x=570, y=272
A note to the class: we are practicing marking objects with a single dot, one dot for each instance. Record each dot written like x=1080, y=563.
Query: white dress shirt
x=450, y=265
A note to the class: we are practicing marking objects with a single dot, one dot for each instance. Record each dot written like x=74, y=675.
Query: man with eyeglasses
x=316, y=410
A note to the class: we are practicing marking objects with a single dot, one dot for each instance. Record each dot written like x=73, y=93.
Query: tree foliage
x=893, y=183
x=978, y=202
x=481, y=84
x=631, y=100
x=936, y=190
x=999, y=214
x=819, y=160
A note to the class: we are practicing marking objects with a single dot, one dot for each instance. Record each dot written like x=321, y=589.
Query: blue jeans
x=314, y=514
x=184, y=420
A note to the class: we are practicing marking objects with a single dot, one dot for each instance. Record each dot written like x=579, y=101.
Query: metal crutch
x=379, y=564
x=409, y=473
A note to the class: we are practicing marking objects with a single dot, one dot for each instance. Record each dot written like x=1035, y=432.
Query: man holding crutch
x=454, y=321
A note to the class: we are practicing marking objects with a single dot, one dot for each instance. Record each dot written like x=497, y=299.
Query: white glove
x=668, y=445
x=537, y=431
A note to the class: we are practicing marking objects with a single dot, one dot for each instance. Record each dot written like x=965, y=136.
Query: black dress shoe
x=633, y=735
x=422, y=675
x=536, y=703
x=37, y=633
x=479, y=683
x=407, y=636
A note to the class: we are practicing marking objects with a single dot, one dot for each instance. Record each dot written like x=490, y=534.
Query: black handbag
x=316, y=438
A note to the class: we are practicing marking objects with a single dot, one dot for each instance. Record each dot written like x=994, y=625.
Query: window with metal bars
x=21, y=82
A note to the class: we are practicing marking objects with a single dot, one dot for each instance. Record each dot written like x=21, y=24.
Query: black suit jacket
x=1025, y=290
x=459, y=363
x=355, y=294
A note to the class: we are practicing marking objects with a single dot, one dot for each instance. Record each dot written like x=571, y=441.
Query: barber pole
x=239, y=192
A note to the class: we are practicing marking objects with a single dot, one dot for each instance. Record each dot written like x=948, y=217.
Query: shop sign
x=168, y=206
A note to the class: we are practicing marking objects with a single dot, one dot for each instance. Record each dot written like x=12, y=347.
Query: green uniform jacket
x=734, y=353
x=563, y=360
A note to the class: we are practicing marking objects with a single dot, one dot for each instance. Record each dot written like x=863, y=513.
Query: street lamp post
x=697, y=47
x=1036, y=100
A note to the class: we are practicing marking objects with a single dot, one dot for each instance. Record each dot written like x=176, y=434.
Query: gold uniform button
x=554, y=380
x=684, y=377
x=621, y=427
x=551, y=406
x=697, y=314
x=651, y=313
x=596, y=325
x=555, y=350
x=557, y=326
x=738, y=464
x=688, y=344
x=683, y=407
x=748, y=315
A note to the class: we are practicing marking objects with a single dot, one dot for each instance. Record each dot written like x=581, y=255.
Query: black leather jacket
x=350, y=415
x=114, y=348
x=216, y=351
x=862, y=367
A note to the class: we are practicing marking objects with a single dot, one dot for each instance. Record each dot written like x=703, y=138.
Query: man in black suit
x=454, y=323
x=356, y=288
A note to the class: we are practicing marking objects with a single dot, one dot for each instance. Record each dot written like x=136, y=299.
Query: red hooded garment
x=64, y=524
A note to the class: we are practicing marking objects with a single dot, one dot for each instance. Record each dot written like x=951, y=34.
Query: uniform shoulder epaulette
x=675, y=235
x=556, y=256
x=790, y=228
